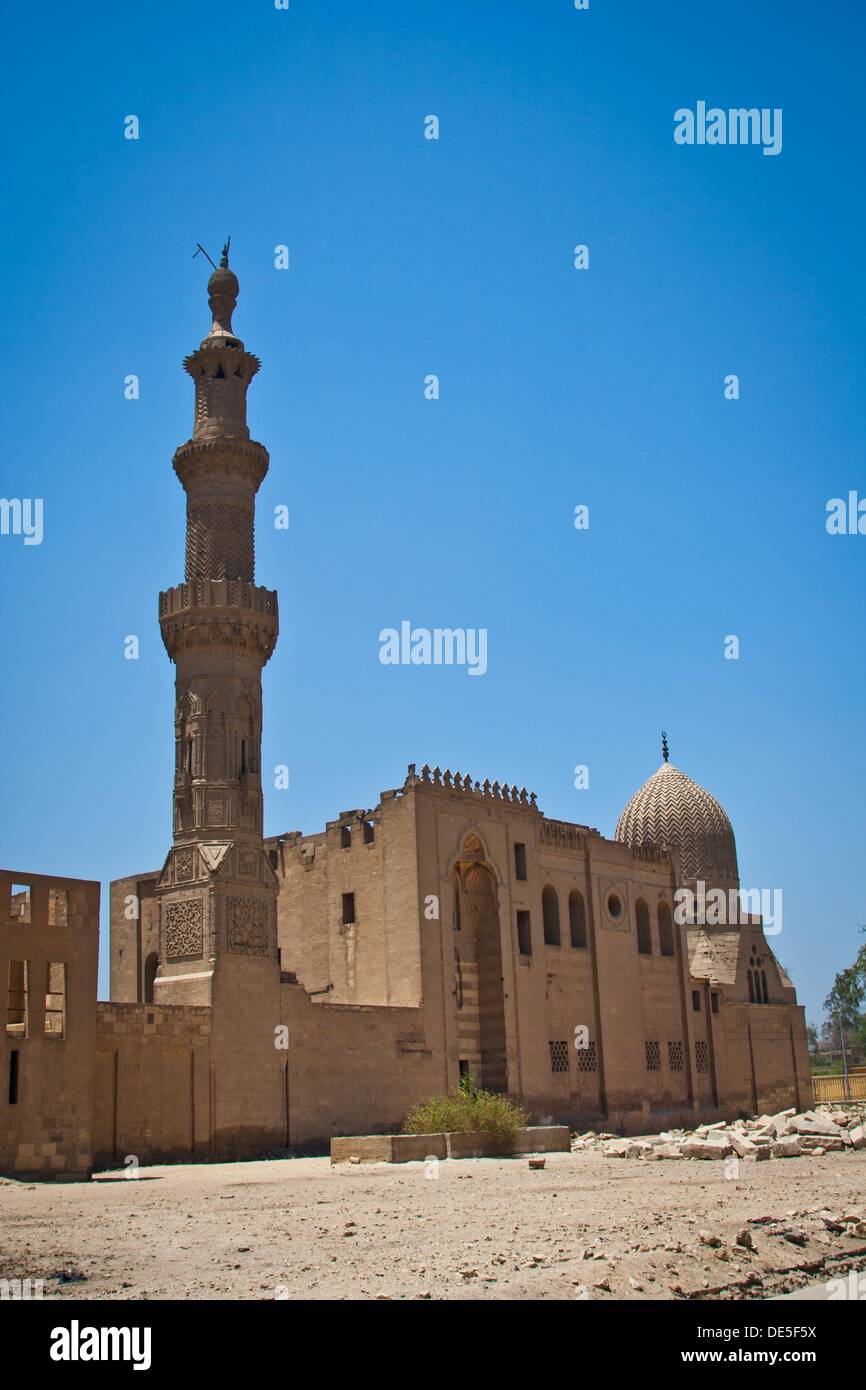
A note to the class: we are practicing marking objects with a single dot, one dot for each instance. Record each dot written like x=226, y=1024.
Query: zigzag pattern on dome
x=670, y=810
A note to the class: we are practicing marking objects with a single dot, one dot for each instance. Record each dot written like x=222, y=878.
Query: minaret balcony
x=219, y=614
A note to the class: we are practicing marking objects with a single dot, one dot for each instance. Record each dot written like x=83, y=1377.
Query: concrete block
x=543, y=1139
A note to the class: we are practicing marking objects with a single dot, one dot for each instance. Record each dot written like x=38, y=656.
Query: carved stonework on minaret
x=219, y=629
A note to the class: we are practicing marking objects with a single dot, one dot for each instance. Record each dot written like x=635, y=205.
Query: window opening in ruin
x=16, y=1007
x=20, y=902
x=13, y=1078
x=55, y=999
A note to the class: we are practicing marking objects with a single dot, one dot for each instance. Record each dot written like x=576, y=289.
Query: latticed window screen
x=676, y=1057
x=558, y=1056
x=586, y=1058
x=653, y=1056
x=702, y=1055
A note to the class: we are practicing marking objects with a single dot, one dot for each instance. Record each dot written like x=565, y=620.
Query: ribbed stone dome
x=672, y=811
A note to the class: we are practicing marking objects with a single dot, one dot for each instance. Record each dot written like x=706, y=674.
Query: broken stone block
x=858, y=1137
x=818, y=1143
x=804, y=1124
x=742, y=1146
x=706, y=1148
x=787, y=1148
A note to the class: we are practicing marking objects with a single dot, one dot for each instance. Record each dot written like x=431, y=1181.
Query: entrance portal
x=478, y=955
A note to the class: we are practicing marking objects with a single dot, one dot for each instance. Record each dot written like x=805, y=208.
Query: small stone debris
x=536, y=1162
x=793, y=1237
x=812, y=1133
x=745, y=1239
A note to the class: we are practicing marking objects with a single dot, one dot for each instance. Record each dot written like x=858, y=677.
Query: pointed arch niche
x=479, y=989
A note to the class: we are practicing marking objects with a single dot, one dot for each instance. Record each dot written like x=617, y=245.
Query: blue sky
x=558, y=387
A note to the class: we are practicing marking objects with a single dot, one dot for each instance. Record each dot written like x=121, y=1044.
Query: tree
x=845, y=1005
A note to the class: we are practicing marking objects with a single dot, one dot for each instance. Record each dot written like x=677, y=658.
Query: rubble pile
x=826, y=1129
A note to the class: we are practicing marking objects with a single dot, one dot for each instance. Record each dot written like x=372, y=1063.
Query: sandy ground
x=585, y=1226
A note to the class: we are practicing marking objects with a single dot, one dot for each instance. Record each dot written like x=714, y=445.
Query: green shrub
x=469, y=1110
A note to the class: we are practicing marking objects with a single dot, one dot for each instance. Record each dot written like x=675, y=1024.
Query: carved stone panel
x=184, y=935
x=247, y=926
x=184, y=864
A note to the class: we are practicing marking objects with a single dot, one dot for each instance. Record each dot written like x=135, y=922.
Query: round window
x=614, y=905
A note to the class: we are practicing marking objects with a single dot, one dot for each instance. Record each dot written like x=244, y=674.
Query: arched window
x=666, y=930
x=751, y=980
x=550, y=916
x=765, y=992
x=577, y=918
x=644, y=935
x=150, y=968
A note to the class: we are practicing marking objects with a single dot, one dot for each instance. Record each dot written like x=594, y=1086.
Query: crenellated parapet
x=463, y=782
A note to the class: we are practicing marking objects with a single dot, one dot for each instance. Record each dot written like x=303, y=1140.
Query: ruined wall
x=49, y=942
x=134, y=940
x=153, y=1083
x=374, y=959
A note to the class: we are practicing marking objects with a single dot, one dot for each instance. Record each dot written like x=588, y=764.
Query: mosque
x=270, y=993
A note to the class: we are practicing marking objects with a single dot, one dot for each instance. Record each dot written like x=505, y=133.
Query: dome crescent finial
x=665, y=749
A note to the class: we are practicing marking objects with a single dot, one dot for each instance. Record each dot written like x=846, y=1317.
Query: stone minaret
x=217, y=891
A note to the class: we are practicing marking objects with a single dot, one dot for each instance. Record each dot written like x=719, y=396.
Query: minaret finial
x=222, y=288
x=665, y=750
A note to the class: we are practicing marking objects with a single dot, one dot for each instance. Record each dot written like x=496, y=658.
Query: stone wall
x=375, y=958
x=134, y=938
x=153, y=1084
x=49, y=941
x=352, y=1069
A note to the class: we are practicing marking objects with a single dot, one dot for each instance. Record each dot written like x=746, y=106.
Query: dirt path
x=482, y=1228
